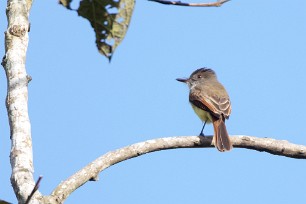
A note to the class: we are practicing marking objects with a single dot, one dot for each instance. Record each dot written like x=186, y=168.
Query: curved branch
x=218, y=3
x=91, y=171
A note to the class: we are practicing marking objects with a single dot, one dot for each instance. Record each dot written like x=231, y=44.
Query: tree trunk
x=16, y=44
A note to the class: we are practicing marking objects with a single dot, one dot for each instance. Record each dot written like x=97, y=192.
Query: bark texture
x=16, y=44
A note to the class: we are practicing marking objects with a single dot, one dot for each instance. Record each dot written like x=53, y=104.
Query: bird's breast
x=203, y=115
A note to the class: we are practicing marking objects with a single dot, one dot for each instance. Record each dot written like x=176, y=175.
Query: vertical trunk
x=16, y=44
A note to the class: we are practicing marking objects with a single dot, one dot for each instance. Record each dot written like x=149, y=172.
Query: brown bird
x=211, y=103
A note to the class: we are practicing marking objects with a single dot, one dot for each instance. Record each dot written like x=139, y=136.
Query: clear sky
x=81, y=106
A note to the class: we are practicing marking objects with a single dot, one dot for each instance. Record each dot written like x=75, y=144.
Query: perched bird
x=211, y=103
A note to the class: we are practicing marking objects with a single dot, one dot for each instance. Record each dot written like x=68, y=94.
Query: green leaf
x=110, y=20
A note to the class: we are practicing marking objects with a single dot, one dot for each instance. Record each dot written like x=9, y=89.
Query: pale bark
x=91, y=171
x=16, y=44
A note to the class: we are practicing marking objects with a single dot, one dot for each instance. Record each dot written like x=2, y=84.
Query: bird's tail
x=221, y=139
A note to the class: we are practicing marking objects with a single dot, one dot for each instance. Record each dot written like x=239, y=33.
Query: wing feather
x=210, y=102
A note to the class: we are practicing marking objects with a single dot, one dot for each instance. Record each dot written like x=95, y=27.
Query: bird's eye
x=199, y=76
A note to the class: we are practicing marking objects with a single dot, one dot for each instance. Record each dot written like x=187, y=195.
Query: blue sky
x=81, y=106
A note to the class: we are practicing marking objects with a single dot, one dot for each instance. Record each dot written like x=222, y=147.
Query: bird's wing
x=210, y=102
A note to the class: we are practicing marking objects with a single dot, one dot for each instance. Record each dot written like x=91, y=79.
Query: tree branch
x=218, y=3
x=16, y=44
x=91, y=171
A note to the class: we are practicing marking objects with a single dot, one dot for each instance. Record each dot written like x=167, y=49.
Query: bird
x=210, y=101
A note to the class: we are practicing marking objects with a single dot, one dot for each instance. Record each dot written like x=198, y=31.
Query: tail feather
x=221, y=138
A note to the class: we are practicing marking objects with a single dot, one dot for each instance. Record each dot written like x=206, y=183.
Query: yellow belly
x=203, y=115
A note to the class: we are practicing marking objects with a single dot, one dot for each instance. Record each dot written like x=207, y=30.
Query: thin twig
x=34, y=189
x=179, y=3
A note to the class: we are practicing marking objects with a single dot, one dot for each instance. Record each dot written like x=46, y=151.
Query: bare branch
x=179, y=3
x=91, y=171
x=16, y=44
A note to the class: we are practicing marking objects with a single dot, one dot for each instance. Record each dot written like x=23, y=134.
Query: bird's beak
x=182, y=80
